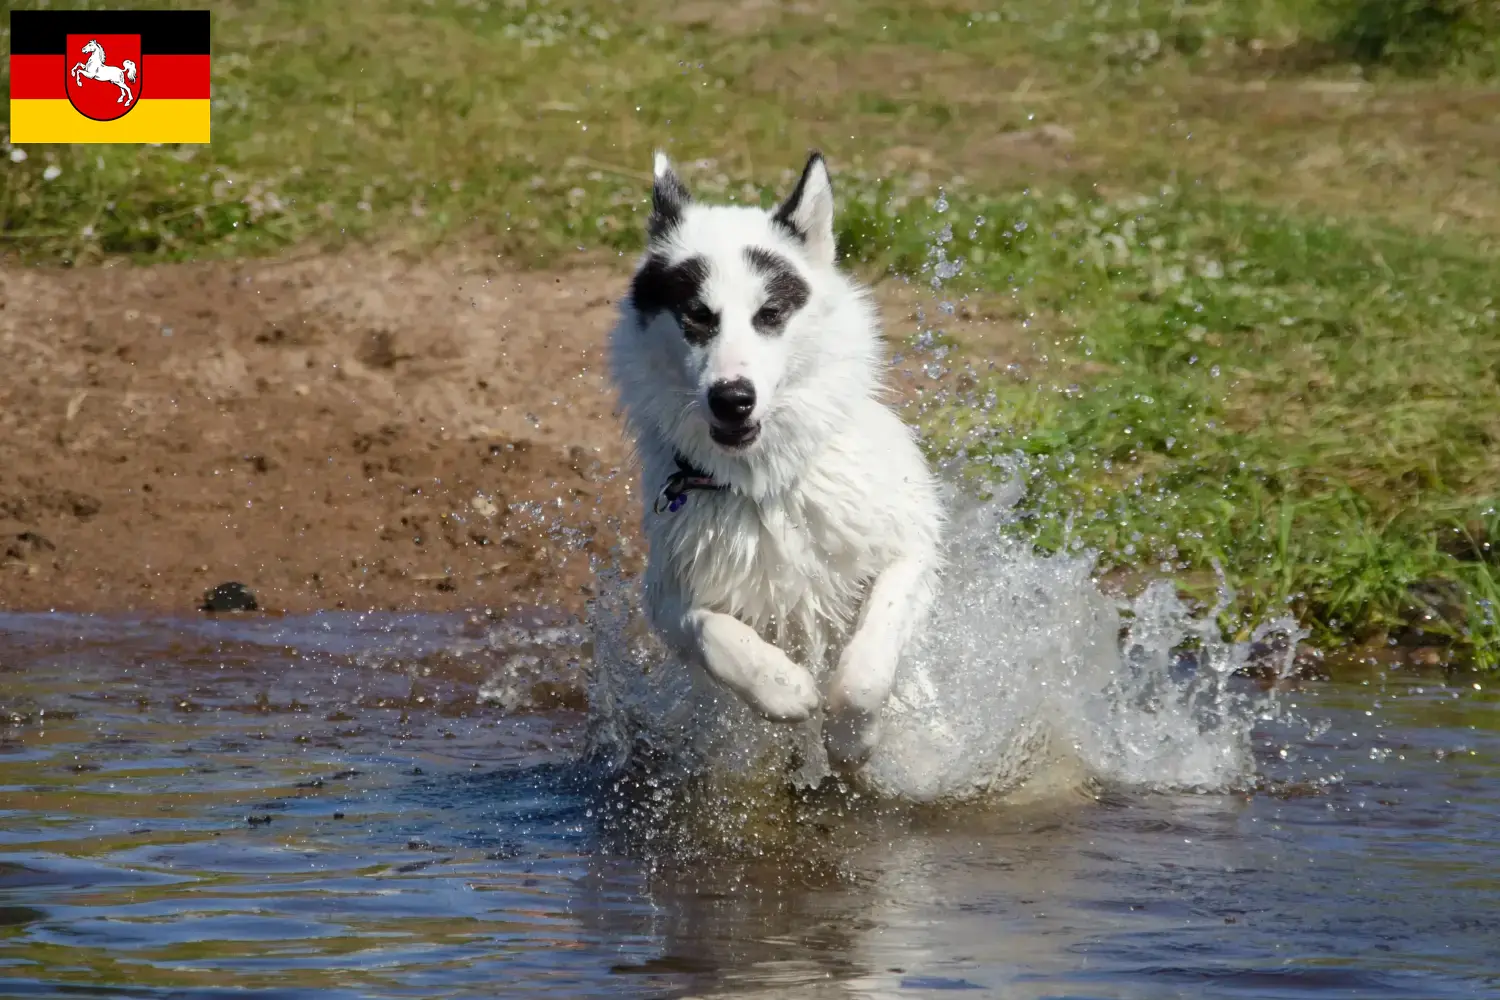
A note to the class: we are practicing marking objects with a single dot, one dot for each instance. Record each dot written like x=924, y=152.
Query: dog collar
x=675, y=490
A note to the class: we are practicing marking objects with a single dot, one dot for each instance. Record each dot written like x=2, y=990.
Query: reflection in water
x=282, y=807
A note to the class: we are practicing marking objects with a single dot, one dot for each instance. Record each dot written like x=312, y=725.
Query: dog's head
x=727, y=298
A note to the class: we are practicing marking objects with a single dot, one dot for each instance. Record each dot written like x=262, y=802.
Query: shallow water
x=348, y=805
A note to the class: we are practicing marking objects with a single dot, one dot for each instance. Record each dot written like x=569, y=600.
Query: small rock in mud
x=28, y=544
x=1427, y=656
x=229, y=597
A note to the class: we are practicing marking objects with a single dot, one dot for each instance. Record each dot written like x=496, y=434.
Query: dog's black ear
x=807, y=212
x=669, y=196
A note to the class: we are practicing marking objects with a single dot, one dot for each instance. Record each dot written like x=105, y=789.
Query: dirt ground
x=354, y=431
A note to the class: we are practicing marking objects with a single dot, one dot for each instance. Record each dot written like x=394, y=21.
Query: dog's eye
x=769, y=316
x=699, y=323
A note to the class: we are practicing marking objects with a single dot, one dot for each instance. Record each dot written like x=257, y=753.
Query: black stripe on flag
x=163, y=32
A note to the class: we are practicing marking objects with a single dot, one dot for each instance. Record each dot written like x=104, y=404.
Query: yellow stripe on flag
x=148, y=121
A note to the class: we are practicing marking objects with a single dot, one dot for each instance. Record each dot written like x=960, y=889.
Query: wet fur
x=801, y=584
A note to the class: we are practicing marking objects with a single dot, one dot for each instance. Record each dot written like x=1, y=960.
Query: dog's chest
x=790, y=568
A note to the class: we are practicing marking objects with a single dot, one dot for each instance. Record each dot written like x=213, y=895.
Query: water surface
x=387, y=806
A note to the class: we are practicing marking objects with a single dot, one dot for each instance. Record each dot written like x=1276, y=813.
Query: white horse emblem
x=97, y=69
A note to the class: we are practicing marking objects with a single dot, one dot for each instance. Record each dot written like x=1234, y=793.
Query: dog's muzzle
x=741, y=436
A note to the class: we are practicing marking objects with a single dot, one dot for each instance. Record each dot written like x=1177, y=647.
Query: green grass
x=526, y=125
x=1410, y=37
x=1285, y=364
x=1309, y=404
x=1419, y=35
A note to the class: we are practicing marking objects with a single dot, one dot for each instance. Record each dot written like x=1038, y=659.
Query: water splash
x=1029, y=669
x=1027, y=672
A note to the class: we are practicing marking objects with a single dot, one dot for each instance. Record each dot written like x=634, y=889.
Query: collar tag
x=674, y=492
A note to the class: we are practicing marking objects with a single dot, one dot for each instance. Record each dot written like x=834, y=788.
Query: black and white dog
x=794, y=525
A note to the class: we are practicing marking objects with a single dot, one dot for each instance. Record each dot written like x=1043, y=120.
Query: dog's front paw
x=857, y=695
x=780, y=690
x=765, y=679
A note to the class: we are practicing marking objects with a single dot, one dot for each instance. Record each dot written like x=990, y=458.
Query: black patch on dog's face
x=676, y=288
x=786, y=291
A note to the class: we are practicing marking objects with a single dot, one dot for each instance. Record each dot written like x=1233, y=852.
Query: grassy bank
x=1252, y=242
x=1313, y=406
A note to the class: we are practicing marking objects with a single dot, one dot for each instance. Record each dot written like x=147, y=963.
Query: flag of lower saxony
x=109, y=76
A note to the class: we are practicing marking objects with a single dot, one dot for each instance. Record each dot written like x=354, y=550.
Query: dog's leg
x=734, y=655
x=895, y=607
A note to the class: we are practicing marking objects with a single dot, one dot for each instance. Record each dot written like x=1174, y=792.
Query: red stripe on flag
x=38, y=78
x=42, y=78
x=179, y=78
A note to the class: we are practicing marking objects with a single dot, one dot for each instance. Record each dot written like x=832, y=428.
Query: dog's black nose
x=732, y=401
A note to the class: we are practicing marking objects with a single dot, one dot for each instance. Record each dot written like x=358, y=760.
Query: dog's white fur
x=824, y=550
